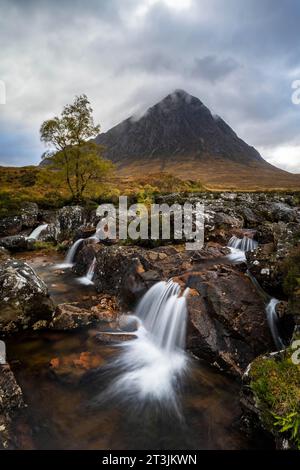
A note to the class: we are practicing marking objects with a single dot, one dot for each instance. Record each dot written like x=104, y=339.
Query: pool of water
x=64, y=377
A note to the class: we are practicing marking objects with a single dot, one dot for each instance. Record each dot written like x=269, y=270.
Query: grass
x=275, y=383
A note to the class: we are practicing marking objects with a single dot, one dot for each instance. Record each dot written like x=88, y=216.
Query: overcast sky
x=239, y=57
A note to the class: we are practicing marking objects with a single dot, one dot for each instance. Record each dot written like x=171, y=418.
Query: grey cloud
x=237, y=57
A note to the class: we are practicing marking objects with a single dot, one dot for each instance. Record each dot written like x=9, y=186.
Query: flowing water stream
x=146, y=393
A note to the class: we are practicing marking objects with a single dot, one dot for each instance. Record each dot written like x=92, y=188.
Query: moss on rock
x=275, y=383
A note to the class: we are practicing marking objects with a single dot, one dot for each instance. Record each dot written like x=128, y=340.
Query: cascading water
x=88, y=278
x=238, y=248
x=37, y=231
x=2, y=353
x=68, y=263
x=272, y=319
x=152, y=365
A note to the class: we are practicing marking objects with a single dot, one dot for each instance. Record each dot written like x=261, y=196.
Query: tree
x=75, y=156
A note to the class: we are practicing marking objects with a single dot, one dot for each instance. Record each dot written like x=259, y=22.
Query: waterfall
x=37, y=231
x=88, y=278
x=2, y=353
x=163, y=315
x=151, y=367
x=238, y=248
x=243, y=244
x=272, y=319
x=69, y=259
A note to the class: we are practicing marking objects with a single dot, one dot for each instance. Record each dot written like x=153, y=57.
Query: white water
x=238, y=248
x=88, y=278
x=69, y=260
x=243, y=244
x=272, y=319
x=2, y=353
x=37, y=231
x=152, y=365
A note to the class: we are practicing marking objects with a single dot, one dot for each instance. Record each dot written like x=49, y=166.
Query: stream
x=69, y=408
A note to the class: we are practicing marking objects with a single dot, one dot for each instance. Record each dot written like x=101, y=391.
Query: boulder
x=267, y=262
x=29, y=215
x=24, y=298
x=72, y=315
x=69, y=218
x=17, y=243
x=227, y=320
x=10, y=226
x=11, y=401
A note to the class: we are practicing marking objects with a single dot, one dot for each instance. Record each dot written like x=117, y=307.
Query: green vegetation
x=291, y=280
x=275, y=382
x=76, y=158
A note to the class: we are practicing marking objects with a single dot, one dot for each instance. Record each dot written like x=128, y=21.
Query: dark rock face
x=266, y=263
x=17, y=243
x=179, y=125
x=29, y=215
x=24, y=299
x=10, y=225
x=28, y=218
x=227, y=321
x=11, y=400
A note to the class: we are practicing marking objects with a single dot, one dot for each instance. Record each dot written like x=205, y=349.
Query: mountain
x=178, y=126
x=179, y=135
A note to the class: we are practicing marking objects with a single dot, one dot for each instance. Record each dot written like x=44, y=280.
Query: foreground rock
x=227, y=320
x=69, y=218
x=24, y=299
x=72, y=316
x=17, y=243
x=11, y=401
x=28, y=218
x=270, y=397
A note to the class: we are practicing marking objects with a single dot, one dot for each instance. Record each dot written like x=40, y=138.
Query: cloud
x=239, y=58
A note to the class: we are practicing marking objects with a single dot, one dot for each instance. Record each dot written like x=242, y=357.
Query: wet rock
x=107, y=337
x=17, y=243
x=49, y=234
x=4, y=254
x=85, y=255
x=278, y=211
x=11, y=401
x=85, y=231
x=118, y=272
x=10, y=226
x=227, y=321
x=69, y=218
x=72, y=316
x=72, y=368
x=266, y=263
x=24, y=298
x=29, y=215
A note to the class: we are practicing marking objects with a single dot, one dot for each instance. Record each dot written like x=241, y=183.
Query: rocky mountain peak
x=180, y=126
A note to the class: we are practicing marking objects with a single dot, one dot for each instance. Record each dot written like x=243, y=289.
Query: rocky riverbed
x=228, y=328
